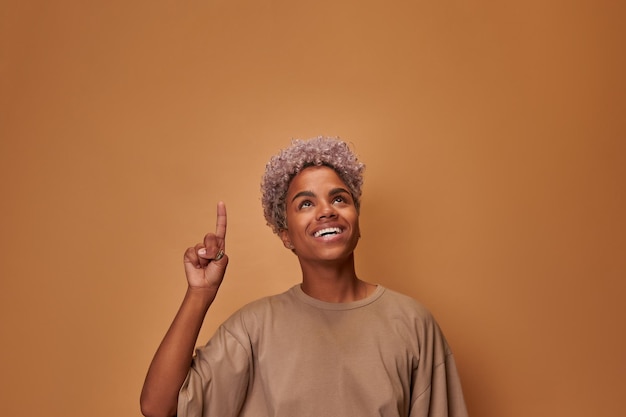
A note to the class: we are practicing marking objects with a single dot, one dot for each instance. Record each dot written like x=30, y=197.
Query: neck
x=333, y=282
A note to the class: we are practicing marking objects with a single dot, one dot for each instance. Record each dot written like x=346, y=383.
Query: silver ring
x=220, y=255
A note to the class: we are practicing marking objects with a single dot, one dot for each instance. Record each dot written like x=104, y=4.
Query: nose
x=326, y=211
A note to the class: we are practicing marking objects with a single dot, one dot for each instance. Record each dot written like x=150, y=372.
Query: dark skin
x=317, y=199
x=170, y=365
x=322, y=231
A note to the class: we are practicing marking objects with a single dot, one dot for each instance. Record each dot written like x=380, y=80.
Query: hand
x=202, y=269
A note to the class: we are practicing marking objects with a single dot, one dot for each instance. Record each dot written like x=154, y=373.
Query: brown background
x=494, y=138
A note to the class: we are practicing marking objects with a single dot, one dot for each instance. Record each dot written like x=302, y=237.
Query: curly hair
x=284, y=166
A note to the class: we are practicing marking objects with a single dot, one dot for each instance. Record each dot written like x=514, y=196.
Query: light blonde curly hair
x=284, y=166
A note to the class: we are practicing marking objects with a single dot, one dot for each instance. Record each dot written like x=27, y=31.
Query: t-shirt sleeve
x=436, y=384
x=218, y=379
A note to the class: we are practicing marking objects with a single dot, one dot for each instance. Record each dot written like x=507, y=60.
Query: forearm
x=171, y=362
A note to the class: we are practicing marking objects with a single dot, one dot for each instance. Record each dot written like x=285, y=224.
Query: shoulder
x=413, y=316
x=256, y=313
x=406, y=305
x=268, y=303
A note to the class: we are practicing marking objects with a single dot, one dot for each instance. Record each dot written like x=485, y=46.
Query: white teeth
x=327, y=231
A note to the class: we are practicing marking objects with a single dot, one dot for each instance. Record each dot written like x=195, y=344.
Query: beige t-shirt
x=291, y=355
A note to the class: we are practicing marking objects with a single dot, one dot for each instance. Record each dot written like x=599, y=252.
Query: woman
x=334, y=345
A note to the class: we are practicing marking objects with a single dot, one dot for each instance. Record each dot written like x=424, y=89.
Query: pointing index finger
x=220, y=225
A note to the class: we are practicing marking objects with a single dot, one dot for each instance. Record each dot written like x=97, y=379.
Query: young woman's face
x=322, y=220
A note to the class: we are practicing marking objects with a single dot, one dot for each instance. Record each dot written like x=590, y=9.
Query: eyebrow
x=338, y=190
x=303, y=194
x=331, y=193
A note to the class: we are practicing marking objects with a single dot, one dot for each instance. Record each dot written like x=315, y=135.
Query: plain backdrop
x=493, y=134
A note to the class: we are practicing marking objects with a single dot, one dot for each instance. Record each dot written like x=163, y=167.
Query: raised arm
x=205, y=265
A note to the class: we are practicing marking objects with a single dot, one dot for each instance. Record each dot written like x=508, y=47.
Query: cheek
x=357, y=227
x=290, y=220
x=299, y=218
x=295, y=226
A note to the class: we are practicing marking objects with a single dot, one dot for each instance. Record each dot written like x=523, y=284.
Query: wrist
x=201, y=295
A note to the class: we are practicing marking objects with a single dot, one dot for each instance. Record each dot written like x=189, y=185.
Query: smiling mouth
x=330, y=231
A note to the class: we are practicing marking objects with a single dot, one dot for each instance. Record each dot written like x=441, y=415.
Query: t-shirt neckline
x=325, y=305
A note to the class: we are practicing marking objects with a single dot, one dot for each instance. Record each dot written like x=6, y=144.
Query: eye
x=341, y=199
x=305, y=204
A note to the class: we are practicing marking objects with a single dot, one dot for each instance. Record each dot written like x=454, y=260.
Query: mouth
x=329, y=231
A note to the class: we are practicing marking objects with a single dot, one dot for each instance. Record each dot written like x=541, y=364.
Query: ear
x=284, y=236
